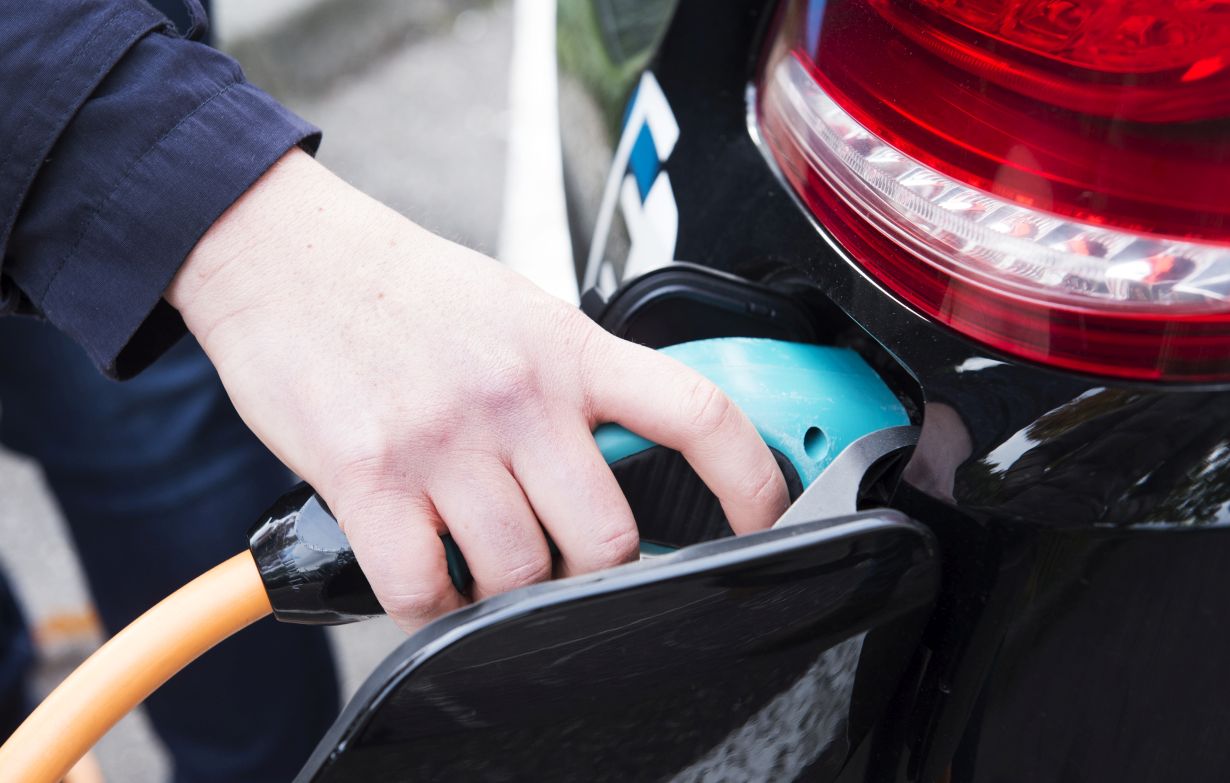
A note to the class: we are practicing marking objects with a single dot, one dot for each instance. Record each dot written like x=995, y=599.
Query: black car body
x=1033, y=592
x=1079, y=632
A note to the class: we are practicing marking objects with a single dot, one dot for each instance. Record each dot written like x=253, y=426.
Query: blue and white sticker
x=643, y=188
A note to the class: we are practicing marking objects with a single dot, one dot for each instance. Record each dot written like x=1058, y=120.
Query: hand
x=422, y=387
x=943, y=445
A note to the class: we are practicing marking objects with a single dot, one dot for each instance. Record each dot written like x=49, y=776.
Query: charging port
x=683, y=302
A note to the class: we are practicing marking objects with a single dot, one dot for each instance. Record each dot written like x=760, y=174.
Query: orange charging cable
x=131, y=666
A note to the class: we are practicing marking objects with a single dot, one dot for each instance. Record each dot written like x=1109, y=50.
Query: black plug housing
x=310, y=572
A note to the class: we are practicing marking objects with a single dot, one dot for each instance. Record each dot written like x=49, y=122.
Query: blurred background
x=419, y=103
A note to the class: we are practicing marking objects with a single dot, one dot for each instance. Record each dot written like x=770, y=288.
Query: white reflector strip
x=979, y=236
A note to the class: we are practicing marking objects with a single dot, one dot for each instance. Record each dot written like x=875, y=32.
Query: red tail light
x=1048, y=177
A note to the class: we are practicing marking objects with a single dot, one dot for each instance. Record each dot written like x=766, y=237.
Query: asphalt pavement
x=413, y=100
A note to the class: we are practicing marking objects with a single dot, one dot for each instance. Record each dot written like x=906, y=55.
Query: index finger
x=671, y=404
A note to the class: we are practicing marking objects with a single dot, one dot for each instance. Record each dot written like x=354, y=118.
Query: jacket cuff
x=47, y=90
x=108, y=294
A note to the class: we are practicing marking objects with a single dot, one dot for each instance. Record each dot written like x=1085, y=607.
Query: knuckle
x=621, y=546
x=531, y=570
x=373, y=468
x=510, y=385
x=708, y=409
x=362, y=480
x=419, y=602
x=762, y=485
x=383, y=453
x=431, y=426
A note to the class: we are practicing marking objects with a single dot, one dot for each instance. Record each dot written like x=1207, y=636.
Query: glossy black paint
x=1082, y=522
x=766, y=655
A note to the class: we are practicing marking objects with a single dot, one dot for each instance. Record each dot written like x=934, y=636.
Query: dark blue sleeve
x=124, y=143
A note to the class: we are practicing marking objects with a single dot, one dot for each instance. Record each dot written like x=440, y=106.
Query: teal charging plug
x=807, y=401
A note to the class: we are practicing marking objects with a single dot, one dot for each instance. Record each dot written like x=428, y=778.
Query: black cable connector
x=310, y=572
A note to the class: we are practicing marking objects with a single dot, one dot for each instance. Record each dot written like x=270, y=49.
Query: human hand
x=421, y=388
x=943, y=445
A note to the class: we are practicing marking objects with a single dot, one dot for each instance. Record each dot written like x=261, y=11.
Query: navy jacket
x=122, y=142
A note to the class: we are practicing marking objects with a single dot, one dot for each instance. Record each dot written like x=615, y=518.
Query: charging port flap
x=765, y=656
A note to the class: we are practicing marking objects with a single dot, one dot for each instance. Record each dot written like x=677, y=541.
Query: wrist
x=220, y=275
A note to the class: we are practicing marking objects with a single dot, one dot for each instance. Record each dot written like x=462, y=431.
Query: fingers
x=668, y=403
x=495, y=528
x=549, y=479
x=396, y=538
x=577, y=499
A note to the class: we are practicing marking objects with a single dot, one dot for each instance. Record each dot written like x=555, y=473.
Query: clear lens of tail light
x=1058, y=234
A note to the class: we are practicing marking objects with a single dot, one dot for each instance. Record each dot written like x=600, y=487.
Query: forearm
x=124, y=145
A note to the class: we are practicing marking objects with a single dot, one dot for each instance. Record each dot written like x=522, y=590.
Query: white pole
x=534, y=229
